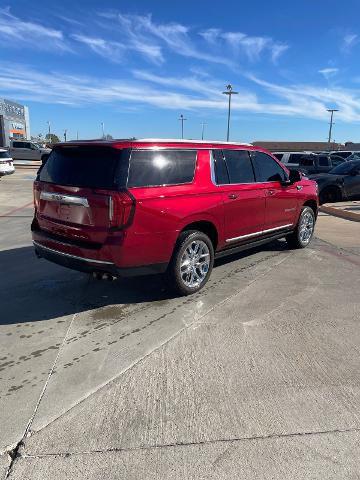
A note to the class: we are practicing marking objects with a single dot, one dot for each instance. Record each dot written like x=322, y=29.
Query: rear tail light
x=121, y=209
x=36, y=191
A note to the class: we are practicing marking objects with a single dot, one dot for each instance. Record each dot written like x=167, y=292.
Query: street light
x=182, y=120
x=202, y=130
x=65, y=132
x=331, y=111
x=48, y=122
x=229, y=92
x=103, y=130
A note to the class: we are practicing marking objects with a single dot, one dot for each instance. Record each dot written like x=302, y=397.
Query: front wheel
x=304, y=231
x=192, y=262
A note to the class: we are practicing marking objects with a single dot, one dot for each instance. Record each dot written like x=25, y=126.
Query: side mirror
x=295, y=176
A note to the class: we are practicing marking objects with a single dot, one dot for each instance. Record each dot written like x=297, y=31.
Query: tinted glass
x=150, y=168
x=221, y=174
x=267, y=169
x=295, y=158
x=345, y=168
x=93, y=167
x=306, y=160
x=342, y=154
x=335, y=161
x=239, y=166
x=279, y=156
x=323, y=161
x=4, y=155
x=18, y=144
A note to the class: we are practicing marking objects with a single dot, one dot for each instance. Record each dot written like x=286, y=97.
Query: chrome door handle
x=233, y=196
x=271, y=192
x=299, y=187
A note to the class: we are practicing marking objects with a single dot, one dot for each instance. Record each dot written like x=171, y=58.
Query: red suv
x=149, y=206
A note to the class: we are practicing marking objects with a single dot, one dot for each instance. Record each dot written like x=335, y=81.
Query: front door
x=282, y=201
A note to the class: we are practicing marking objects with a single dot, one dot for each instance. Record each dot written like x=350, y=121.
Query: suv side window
x=295, y=158
x=267, y=169
x=18, y=144
x=239, y=166
x=220, y=170
x=153, y=168
x=324, y=161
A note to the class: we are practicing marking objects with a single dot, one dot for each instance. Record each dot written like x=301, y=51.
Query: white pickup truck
x=26, y=150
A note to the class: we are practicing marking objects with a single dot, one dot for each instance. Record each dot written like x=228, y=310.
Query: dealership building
x=14, y=121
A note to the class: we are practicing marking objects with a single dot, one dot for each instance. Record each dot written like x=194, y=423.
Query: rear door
x=74, y=190
x=244, y=201
x=282, y=201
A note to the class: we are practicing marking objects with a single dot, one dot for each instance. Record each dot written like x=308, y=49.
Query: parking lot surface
x=256, y=377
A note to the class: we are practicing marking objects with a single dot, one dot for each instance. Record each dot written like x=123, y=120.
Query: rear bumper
x=90, y=265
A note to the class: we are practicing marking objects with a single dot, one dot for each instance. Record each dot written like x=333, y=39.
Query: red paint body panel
x=161, y=213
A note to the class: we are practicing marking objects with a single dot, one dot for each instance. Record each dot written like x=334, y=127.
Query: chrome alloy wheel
x=195, y=264
x=306, y=228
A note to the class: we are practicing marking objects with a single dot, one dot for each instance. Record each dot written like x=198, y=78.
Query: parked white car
x=25, y=150
x=6, y=163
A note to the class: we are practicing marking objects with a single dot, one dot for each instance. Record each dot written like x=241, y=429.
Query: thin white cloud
x=14, y=31
x=329, y=72
x=349, y=41
x=142, y=31
x=252, y=46
x=113, y=51
x=22, y=83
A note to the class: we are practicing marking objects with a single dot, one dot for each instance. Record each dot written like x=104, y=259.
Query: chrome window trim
x=84, y=259
x=260, y=232
x=63, y=198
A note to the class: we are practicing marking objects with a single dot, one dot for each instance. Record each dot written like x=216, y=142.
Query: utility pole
x=331, y=111
x=48, y=122
x=229, y=92
x=65, y=132
x=182, y=120
x=77, y=134
x=202, y=130
x=103, y=129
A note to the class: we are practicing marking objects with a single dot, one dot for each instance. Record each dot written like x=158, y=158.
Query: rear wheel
x=304, y=231
x=330, y=195
x=192, y=262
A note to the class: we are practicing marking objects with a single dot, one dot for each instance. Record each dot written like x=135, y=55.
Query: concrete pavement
x=255, y=377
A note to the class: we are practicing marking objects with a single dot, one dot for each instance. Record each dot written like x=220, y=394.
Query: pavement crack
x=174, y=336
x=199, y=443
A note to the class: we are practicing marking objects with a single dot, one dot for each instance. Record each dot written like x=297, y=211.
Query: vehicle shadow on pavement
x=33, y=290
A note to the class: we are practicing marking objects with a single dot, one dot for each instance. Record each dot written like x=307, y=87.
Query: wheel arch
x=205, y=226
x=313, y=205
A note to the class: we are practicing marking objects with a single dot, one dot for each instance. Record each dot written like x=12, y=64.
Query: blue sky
x=136, y=66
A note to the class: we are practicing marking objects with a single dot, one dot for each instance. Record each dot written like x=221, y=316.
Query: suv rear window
x=82, y=166
x=151, y=168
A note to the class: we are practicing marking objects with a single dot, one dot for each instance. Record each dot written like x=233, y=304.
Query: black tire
x=175, y=279
x=297, y=239
x=330, y=195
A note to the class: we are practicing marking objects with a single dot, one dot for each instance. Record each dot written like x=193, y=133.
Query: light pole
x=229, y=92
x=65, y=132
x=77, y=134
x=49, y=125
x=331, y=111
x=103, y=129
x=202, y=130
x=182, y=120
